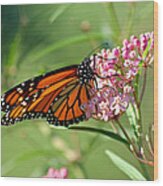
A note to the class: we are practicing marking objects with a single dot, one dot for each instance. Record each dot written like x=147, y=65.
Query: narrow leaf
x=132, y=115
x=145, y=53
x=58, y=12
x=125, y=167
x=13, y=50
x=101, y=131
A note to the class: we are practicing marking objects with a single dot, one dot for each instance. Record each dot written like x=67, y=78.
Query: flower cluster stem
x=126, y=135
x=135, y=152
x=144, y=86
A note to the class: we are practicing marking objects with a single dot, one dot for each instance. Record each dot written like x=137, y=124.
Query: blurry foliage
x=40, y=38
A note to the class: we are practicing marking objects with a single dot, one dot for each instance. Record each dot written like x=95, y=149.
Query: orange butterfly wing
x=66, y=109
x=33, y=87
x=58, y=96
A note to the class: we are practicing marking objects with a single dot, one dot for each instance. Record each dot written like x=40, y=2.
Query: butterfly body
x=85, y=72
x=57, y=96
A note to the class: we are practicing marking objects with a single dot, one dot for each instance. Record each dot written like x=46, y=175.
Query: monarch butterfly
x=57, y=96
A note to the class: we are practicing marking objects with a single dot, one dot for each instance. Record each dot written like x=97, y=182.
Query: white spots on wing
x=7, y=107
x=23, y=84
x=19, y=90
x=17, y=119
x=31, y=84
x=2, y=98
x=35, y=95
x=24, y=110
x=3, y=103
x=20, y=99
x=30, y=89
x=34, y=99
x=24, y=103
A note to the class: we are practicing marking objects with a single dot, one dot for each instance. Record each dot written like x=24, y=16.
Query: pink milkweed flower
x=116, y=52
x=55, y=173
x=116, y=70
x=119, y=104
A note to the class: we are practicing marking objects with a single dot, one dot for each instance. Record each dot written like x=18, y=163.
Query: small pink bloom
x=131, y=73
x=132, y=38
x=125, y=54
x=143, y=38
x=117, y=69
x=136, y=42
x=127, y=62
x=127, y=89
x=54, y=173
x=143, y=46
x=125, y=42
x=130, y=46
x=136, y=62
x=132, y=54
x=116, y=52
x=152, y=40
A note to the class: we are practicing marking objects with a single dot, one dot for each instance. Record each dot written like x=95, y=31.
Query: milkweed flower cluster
x=54, y=173
x=115, y=72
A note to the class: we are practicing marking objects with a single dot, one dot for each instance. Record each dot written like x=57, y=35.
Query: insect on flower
x=99, y=87
x=57, y=96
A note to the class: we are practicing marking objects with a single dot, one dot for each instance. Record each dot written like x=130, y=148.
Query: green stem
x=143, y=166
x=127, y=136
x=139, y=119
x=137, y=85
x=144, y=86
x=136, y=154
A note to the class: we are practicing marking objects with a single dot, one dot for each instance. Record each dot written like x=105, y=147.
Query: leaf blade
x=101, y=131
x=125, y=167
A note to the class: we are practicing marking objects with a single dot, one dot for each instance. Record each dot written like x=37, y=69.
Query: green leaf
x=145, y=53
x=132, y=114
x=14, y=50
x=101, y=131
x=36, y=153
x=125, y=167
x=58, y=12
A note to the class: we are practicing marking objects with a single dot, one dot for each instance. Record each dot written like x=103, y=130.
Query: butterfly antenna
x=104, y=45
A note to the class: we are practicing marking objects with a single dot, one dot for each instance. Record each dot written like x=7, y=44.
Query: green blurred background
x=40, y=38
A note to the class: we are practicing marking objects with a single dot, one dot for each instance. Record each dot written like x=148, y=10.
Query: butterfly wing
x=34, y=87
x=66, y=108
x=57, y=96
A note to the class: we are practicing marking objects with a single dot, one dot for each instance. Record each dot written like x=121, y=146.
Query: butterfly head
x=85, y=71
